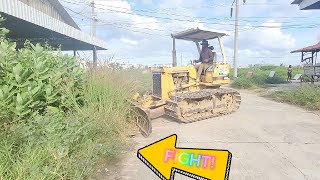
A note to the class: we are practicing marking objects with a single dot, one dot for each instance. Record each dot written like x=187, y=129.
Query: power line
x=186, y=20
x=206, y=6
x=77, y=13
x=246, y=27
x=165, y=18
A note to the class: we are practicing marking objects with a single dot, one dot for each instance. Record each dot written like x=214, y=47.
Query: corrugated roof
x=296, y=1
x=61, y=10
x=307, y=4
x=25, y=22
x=314, y=48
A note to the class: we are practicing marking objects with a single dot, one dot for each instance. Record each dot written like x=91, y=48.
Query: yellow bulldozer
x=178, y=93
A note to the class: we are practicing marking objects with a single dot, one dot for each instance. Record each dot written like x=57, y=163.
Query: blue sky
x=138, y=31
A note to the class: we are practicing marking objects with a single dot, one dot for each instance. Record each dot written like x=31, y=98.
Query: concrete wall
x=45, y=7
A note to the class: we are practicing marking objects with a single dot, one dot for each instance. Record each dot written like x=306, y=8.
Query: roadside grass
x=260, y=77
x=56, y=120
x=59, y=145
x=142, y=79
x=106, y=94
x=307, y=96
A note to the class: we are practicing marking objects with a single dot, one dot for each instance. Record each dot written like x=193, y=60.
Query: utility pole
x=93, y=32
x=174, y=52
x=235, y=61
x=93, y=19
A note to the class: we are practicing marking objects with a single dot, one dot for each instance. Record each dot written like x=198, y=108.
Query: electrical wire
x=206, y=6
x=165, y=18
x=130, y=25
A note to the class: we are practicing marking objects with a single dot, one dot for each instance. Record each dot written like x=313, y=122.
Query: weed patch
x=307, y=96
x=260, y=76
x=57, y=120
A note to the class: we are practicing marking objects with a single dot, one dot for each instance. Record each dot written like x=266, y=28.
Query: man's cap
x=205, y=42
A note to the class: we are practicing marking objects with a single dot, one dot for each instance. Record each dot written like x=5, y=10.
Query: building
x=307, y=4
x=46, y=21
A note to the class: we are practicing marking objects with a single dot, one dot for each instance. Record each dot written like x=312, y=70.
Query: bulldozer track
x=231, y=97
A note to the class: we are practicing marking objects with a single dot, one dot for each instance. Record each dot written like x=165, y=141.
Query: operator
x=206, y=58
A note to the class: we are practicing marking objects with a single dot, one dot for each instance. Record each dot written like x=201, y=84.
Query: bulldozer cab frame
x=196, y=35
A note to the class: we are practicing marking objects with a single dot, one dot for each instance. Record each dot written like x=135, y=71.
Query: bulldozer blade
x=144, y=117
x=143, y=121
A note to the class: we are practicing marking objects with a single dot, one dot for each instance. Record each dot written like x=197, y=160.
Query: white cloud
x=140, y=37
x=129, y=41
x=270, y=37
x=148, y=2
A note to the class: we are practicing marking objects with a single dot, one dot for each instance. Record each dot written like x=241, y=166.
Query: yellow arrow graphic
x=165, y=159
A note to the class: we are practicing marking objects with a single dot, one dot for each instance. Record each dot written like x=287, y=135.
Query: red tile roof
x=314, y=48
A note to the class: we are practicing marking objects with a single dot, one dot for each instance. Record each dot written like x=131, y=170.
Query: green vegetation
x=142, y=80
x=260, y=76
x=307, y=96
x=56, y=120
x=34, y=79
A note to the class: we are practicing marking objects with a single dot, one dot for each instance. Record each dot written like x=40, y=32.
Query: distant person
x=289, y=73
x=206, y=58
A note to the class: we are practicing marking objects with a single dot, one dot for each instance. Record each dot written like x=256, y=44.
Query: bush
x=306, y=96
x=275, y=80
x=268, y=68
x=260, y=76
x=56, y=121
x=243, y=83
x=34, y=79
x=59, y=145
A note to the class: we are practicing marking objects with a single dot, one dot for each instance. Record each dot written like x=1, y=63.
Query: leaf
x=36, y=90
x=1, y=95
x=5, y=89
x=22, y=85
x=17, y=69
x=19, y=99
x=53, y=109
x=34, y=103
x=4, y=45
x=23, y=113
x=18, y=78
x=49, y=90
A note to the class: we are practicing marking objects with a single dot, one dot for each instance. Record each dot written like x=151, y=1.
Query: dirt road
x=268, y=140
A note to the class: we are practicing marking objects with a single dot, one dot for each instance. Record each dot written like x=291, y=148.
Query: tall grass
x=67, y=146
x=142, y=79
x=106, y=94
x=56, y=121
x=307, y=96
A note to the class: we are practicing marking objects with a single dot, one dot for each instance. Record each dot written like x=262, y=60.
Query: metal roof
x=66, y=16
x=27, y=23
x=297, y=2
x=307, y=4
x=314, y=48
x=197, y=35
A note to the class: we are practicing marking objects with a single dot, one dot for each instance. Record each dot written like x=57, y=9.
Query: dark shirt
x=206, y=54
